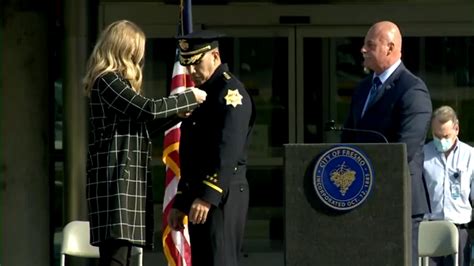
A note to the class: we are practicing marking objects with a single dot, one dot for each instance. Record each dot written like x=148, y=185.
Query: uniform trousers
x=218, y=241
x=115, y=252
x=464, y=250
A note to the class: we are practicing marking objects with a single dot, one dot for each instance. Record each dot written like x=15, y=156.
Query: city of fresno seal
x=343, y=177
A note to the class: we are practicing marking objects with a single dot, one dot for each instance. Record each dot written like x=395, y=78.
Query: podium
x=356, y=213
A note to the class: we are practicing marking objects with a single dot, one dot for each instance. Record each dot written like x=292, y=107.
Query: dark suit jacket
x=401, y=112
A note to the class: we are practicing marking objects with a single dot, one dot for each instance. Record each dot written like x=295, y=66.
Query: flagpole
x=188, y=20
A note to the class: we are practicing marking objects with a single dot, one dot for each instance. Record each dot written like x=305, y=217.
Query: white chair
x=437, y=238
x=76, y=243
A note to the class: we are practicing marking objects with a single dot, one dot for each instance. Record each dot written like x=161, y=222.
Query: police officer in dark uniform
x=213, y=190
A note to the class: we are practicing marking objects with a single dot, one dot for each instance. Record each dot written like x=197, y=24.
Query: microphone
x=331, y=126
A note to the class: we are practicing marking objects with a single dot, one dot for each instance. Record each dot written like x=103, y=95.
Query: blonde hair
x=120, y=48
x=444, y=114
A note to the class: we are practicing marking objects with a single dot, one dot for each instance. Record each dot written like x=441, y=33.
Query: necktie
x=373, y=91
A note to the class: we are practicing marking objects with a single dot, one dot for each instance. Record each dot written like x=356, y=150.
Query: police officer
x=213, y=190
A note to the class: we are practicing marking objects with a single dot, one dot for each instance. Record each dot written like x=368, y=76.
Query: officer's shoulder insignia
x=226, y=76
x=233, y=97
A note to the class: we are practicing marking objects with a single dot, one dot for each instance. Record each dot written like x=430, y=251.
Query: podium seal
x=343, y=177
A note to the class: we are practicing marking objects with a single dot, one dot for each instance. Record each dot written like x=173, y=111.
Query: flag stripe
x=170, y=192
x=171, y=137
x=180, y=81
x=168, y=248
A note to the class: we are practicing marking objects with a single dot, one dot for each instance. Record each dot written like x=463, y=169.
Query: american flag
x=176, y=244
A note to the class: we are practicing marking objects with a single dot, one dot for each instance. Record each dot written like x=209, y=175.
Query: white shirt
x=444, y=176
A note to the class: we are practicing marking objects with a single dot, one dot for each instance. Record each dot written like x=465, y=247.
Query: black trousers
x=115, y=252
x=218, y=241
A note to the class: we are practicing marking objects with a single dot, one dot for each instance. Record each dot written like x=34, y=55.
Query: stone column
x=75, y=124
x=26, y=134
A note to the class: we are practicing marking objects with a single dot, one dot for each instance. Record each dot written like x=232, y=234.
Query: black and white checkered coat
x=118, y=176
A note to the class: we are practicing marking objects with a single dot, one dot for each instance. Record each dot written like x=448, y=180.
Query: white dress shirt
x=449, y=181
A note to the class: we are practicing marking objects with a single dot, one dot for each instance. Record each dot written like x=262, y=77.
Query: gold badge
x=183, y=45
x=233, y=98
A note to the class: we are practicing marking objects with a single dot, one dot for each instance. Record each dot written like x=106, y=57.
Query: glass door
x=331, y=66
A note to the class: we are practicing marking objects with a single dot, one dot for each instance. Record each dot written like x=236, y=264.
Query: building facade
x=299, y=59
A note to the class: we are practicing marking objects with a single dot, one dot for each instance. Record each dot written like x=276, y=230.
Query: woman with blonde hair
x=120, y=203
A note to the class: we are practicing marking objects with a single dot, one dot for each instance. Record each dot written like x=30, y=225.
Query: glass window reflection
x=263, y=67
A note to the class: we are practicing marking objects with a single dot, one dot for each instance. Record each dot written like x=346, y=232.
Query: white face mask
x=442, y=145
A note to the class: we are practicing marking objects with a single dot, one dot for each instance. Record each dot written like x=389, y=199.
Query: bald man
x=393, y=101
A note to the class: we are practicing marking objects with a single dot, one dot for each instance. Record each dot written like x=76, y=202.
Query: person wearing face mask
x=449, y=173
x=213, y=190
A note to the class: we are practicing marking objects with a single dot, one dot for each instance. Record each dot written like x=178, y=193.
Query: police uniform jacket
x=214, y=141
x=118, y=177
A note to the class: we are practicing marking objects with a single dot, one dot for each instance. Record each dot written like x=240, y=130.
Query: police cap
x=194, y=45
